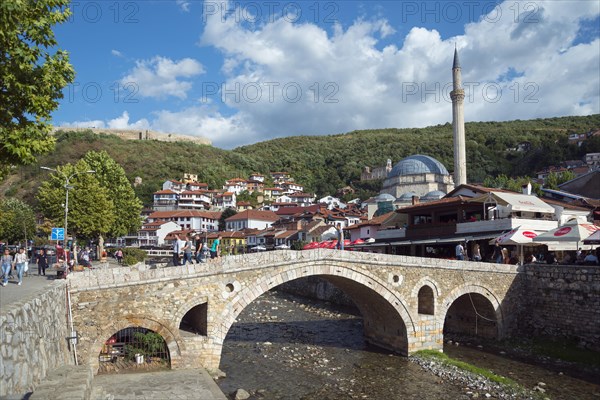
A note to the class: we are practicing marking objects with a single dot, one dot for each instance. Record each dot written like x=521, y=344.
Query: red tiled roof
x=376, y=221
x=166, y=191
x=254, y=215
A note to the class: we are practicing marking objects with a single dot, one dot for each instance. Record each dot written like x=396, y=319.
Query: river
x=288, y=347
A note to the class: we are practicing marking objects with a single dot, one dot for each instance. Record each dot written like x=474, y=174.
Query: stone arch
x=382, y=291
x=426, y=303
x=144, y=322
x=471, y=287
x=187, y=307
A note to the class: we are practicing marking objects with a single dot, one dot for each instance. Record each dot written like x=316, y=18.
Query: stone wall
x=563, y=301
x=33, y=339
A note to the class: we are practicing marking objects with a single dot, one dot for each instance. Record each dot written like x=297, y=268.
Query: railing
x=159, y=253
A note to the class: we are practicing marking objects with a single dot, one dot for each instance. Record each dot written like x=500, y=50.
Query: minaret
x=458, y=124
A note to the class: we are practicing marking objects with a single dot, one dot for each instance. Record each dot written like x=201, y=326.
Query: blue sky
x=242, y=72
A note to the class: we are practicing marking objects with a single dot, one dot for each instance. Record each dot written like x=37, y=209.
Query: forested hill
x=324, y=164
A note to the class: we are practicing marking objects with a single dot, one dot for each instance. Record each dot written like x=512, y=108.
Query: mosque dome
x=406, y=196
x=384, y=197
x=433, y=195
x=418, y=164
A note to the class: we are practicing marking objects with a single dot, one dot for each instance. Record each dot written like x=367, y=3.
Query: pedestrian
x=497, y=256
x=187, y=250
x=6, y=261
x=460, y=251
x=176, y=250
x=119, y=255
x=19, y=263
x=505, y=255
x=199, y=255
x=42, y=262
x=476, y=252
x=215, y=248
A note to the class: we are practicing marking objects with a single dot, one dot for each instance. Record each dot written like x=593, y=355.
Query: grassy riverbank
x=479, y=381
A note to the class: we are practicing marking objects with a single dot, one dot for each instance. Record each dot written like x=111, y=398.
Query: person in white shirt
x=20, y=260
x=460, y=252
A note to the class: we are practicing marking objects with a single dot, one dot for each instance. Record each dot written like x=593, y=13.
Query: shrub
x=132, y=256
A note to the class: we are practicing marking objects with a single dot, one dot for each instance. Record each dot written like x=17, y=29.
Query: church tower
x=458, y=124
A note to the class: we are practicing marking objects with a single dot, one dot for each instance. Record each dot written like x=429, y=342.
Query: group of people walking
x=197, y=251
x=20, y=263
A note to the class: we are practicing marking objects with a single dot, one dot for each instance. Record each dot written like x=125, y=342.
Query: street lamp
x=67, y=188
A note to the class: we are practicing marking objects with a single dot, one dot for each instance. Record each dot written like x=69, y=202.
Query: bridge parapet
x=141, y=273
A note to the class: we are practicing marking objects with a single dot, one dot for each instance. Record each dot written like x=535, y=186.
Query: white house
x=332, y=202
x=302, y=199
x=225, y=200
x=154, y=233
x=257, y=177
x=165, y=200
x=253, y=219
x=236, y=185
x=198, y=221
x=193, y=200
x=174, y=185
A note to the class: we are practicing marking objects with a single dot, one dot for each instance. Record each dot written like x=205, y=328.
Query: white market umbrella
x=594, y=238
x=517, y=237
x=282, y=247
x=572, y=232
x=258, y=248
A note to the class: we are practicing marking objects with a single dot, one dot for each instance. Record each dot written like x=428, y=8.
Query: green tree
x=91, y=210
x=229, y=212
x=33, y=74
x=112, y=176
x=554, y=179
x=17, y=220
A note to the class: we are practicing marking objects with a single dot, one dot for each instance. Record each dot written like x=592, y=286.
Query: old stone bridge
x=407, y=303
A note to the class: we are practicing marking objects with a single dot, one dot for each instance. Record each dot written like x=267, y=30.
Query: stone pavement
x=32, y=284
x=167, y=385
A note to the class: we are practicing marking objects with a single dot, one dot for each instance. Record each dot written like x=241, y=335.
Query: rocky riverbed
x=288, y=347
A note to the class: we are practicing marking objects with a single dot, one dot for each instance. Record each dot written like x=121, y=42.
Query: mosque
x=421, y=177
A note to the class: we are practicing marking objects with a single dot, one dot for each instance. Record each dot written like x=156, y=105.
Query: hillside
x=323, y=163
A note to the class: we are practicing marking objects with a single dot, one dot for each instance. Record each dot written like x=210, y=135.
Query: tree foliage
x=32, y=75
x=17, y=220
x=91, y=210
x=111, y=176
x=228, y=212
x=323, y=164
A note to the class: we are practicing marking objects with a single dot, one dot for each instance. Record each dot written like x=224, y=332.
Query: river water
x=288, y=347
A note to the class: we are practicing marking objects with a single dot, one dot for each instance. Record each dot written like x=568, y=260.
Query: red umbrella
x=357, y=241
x=332, y=244
x=347, y=242
x=310, y=246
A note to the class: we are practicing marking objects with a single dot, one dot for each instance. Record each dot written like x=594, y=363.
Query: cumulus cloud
x=160, y=77
x=518, y=62
x=284, y=78
x=121, y=122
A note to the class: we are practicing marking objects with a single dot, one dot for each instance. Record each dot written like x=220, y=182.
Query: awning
x=517, y=202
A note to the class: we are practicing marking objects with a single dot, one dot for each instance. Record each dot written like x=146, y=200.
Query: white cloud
x=184, y=5
x=121, y=122
x=116, y=53
x=159, y=77
x=405, y=85
x=513, y=68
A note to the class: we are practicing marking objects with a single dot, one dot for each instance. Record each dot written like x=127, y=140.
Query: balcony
x=505, y=224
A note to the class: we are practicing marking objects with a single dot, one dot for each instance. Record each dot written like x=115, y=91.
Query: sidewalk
x=32, y=284
x=178, y=384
